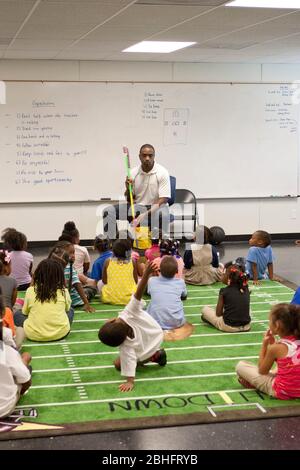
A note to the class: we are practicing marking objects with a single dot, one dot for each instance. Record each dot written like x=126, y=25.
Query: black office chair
x=184, y=196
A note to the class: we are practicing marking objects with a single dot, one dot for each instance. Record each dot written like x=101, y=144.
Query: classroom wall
x=237, y=216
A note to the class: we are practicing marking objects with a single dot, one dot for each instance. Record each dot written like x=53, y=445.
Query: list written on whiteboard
x=279, y=108
x=152, y=104
x=176, y=122
x=43, y=151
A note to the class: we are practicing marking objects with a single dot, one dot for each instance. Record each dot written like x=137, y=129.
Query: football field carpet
x=75, y=385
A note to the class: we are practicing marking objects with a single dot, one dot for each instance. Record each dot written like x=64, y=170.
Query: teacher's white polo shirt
x=149, y=187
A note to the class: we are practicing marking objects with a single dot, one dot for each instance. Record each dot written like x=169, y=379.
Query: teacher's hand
x=128, y=181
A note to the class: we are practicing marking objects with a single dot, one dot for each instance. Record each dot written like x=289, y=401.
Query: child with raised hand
x=201, y=261
x=167, y=293
x=46, y=313
x=283, y=383
x=259, y=262
x=64, y=252
x=169, y=247
x=15, y=376
x=137, y=335
x=82, y=258
x=119, y=275
x=232, y=314
x=21, y=260
x=103, y=246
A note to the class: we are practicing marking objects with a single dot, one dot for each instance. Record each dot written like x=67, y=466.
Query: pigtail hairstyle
x=169, y=247
x=238, y=278
x=289, y=316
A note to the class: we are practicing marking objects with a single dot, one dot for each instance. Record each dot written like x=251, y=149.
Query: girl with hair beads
x=232, y=314
x=170, y=248
x=47, y=313
x=119, y=276
x=64, y=252
x=283, y=383
x=21, y=260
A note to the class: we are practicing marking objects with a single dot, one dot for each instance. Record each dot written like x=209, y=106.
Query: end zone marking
x=210, y=408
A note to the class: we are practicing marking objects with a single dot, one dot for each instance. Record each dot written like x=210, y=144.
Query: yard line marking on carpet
x=210, y=408
x=114, y=353
x=74, y=371
x=187, y=361
x=185, y=306
x=258, y=294
x=252, y=287
x=147, y=397
x=144, y=379
x=91, y=341
x=192, y=336
x=226, y=398
x=94, y=320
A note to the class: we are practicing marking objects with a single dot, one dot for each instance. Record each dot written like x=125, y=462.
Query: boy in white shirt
x=136, y=333
x=15, y=377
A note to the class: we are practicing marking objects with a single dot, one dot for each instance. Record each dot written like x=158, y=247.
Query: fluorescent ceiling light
x=162, y=47
x=290, y=4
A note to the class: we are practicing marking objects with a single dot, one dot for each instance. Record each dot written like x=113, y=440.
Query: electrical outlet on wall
x=294, y=214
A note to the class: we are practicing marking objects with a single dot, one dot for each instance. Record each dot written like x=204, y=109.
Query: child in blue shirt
x=103, y=246
x=167, y=293
x=259, y=262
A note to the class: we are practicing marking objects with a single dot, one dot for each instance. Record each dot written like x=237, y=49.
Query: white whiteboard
x=63, y=141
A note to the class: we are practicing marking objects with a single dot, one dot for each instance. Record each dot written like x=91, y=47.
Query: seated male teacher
x=151, y=190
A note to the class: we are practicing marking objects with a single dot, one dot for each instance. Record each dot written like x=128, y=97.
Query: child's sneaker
x=160, y=357
x=245, y=383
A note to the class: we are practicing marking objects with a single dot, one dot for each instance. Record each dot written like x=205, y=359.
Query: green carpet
x=74, y=384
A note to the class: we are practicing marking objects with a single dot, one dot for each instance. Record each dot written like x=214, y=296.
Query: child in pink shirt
x=283, y=383
x=170, y=247
x=21, y=260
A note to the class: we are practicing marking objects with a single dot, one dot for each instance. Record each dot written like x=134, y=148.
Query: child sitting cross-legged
x=233, y=308
x=103, y=246
x=166, y=293
x=201, y=261
x=46, y=313
x=119, y=275
x=21, y=260
x=15, y=372
x=283, y=383
x=137, y=335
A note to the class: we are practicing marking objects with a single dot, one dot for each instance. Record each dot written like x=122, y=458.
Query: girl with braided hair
x=232, y=314
x=283, y=383
x=46, y=313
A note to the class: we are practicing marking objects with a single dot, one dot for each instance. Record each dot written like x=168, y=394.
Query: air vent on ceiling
x=185, y=3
